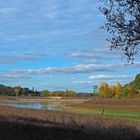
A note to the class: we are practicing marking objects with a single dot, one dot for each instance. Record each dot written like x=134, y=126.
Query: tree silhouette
x=123, y=23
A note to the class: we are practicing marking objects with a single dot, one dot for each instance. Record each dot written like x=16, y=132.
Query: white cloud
x=78, y=69
x=81, y=82
x=12, y=58
x=88, y=55
x=13, y=78
x=110, y=77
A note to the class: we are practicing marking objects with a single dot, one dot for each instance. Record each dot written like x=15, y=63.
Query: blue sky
x=57, y=44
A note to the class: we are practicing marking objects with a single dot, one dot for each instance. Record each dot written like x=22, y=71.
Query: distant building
x=95, y=89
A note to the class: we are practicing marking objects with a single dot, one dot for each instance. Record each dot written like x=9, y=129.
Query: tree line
x=19, y=91
x=46, y=93
x=131, y=89
x=128, y=90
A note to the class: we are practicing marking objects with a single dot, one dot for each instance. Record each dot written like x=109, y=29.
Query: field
x=84, y=119
x=128, y=109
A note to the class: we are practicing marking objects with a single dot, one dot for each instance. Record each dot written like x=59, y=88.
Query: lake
x=31, y=105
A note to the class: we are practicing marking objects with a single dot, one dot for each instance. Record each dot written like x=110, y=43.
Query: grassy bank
x=127, y=109
x=82, y=119
x=22, y=131
x=27, y=124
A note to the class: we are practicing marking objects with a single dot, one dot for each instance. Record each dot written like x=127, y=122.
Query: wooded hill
x=131, y=89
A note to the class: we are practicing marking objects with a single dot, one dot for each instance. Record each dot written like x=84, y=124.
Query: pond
x=31, y=105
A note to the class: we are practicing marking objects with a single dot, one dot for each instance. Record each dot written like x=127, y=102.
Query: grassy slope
x=128, y=109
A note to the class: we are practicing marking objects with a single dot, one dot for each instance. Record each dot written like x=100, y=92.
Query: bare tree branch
x=123, y=23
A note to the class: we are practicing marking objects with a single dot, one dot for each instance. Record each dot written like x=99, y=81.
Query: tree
x=95, y=89
x=123, y=23
x=101, y=90
x=132, y=88
x=118, y=90
x=113, y=90
x=70, y=93
x=17, y=91
x=104, y=90
x=57, y=93
x=128, y=91
x=44, y=93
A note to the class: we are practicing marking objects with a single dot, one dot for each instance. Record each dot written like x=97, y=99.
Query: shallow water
x=31, y=105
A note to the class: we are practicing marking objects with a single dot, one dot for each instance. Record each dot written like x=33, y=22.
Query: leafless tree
x=123, y=23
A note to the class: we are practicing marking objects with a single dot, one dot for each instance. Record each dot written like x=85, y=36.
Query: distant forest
x=19, y=91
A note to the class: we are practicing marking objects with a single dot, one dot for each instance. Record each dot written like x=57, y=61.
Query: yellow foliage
x=17, y=91
x=113, y=90
x=118, y=90
x=108, y=92
x=104, y=90
x=70, y=93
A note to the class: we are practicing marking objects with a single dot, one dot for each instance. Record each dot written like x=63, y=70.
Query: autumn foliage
x=129, y=90
x=107, y=91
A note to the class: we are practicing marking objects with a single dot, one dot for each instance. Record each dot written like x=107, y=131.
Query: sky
x=58, y=45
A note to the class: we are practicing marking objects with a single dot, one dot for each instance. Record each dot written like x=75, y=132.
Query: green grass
x=123, y=114
x=111, y=113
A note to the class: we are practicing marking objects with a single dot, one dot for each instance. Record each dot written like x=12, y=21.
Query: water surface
x=31, y=105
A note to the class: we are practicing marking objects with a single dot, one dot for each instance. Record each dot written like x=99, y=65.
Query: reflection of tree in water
x=49, y=106
x=43, y=106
